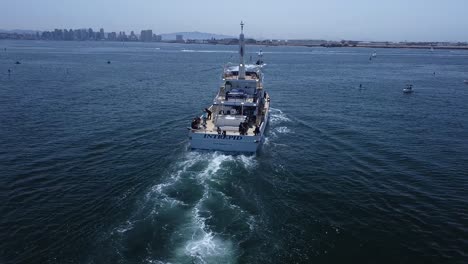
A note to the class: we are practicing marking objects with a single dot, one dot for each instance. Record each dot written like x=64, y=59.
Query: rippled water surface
x=95, y=166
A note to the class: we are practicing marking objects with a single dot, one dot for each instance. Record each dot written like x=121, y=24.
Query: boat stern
x=228, y=143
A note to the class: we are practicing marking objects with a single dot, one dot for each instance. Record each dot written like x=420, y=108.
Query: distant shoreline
x=400, y=47
x=394, y=46
x=196, y=37
x=279, y=44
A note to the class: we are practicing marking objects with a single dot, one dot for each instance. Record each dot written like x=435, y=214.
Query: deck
x=210, y=127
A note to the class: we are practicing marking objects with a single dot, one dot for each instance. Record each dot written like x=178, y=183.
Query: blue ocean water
x=95, y=166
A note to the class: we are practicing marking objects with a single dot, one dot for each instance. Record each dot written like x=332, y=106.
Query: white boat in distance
x=237, y=119
x=408, y=88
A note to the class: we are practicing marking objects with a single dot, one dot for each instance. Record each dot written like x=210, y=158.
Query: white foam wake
x=282, y=130
x=192, y=239
x=277, y=116
x=204, y=246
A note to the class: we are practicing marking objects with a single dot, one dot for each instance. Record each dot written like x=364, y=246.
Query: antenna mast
x=241, y=53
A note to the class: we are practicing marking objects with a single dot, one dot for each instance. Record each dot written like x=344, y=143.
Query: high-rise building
x=133, y=37
x=70, y=35
x=91, y=34
x=101, y=34
x=84, y=34
x=179, y=38
x=58, y=34
x=112, y=36
x=146, y=35
x=122, y=36
x=157, y=38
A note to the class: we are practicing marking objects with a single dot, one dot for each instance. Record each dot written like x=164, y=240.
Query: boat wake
x=278, y=121
x=188, y=215
x=282, y=130
x=277, y=116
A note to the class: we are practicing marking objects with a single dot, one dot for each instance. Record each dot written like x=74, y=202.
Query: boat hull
x=228, y=143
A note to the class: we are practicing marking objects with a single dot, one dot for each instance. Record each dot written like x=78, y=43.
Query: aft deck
x=210, y=128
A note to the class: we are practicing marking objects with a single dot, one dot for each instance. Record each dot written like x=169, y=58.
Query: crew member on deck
x=204, y=116
x=208, y=112
x=245, y=126
x=195, y=123
x=241, y=129
x=257, y=130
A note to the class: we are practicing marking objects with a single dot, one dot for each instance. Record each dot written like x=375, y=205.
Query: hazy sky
x=394, y=20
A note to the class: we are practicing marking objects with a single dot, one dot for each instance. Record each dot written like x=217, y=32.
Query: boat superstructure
x=237, y=119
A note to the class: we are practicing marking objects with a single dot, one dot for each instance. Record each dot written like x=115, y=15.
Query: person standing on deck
x=204, y=116
x=257, y=130
x=208, y=112
x=241, y=129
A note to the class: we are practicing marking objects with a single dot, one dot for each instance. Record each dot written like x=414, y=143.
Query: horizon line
x=256, y=38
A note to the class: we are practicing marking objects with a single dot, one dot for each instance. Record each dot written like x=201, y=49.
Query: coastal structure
x=179, y=38
x=237, y=119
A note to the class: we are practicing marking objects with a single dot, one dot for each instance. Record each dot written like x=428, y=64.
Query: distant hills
x=194, y=35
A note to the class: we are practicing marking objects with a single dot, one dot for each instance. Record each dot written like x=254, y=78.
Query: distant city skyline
x=397, y=20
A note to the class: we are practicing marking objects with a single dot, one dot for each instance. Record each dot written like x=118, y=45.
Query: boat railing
x=220, y=99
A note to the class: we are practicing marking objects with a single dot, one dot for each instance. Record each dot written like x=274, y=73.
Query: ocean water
x=95, y=166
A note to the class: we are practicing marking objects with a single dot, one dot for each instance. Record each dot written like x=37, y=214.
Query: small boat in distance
x=408, y=88
x=260, y=59
x=236, y=120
